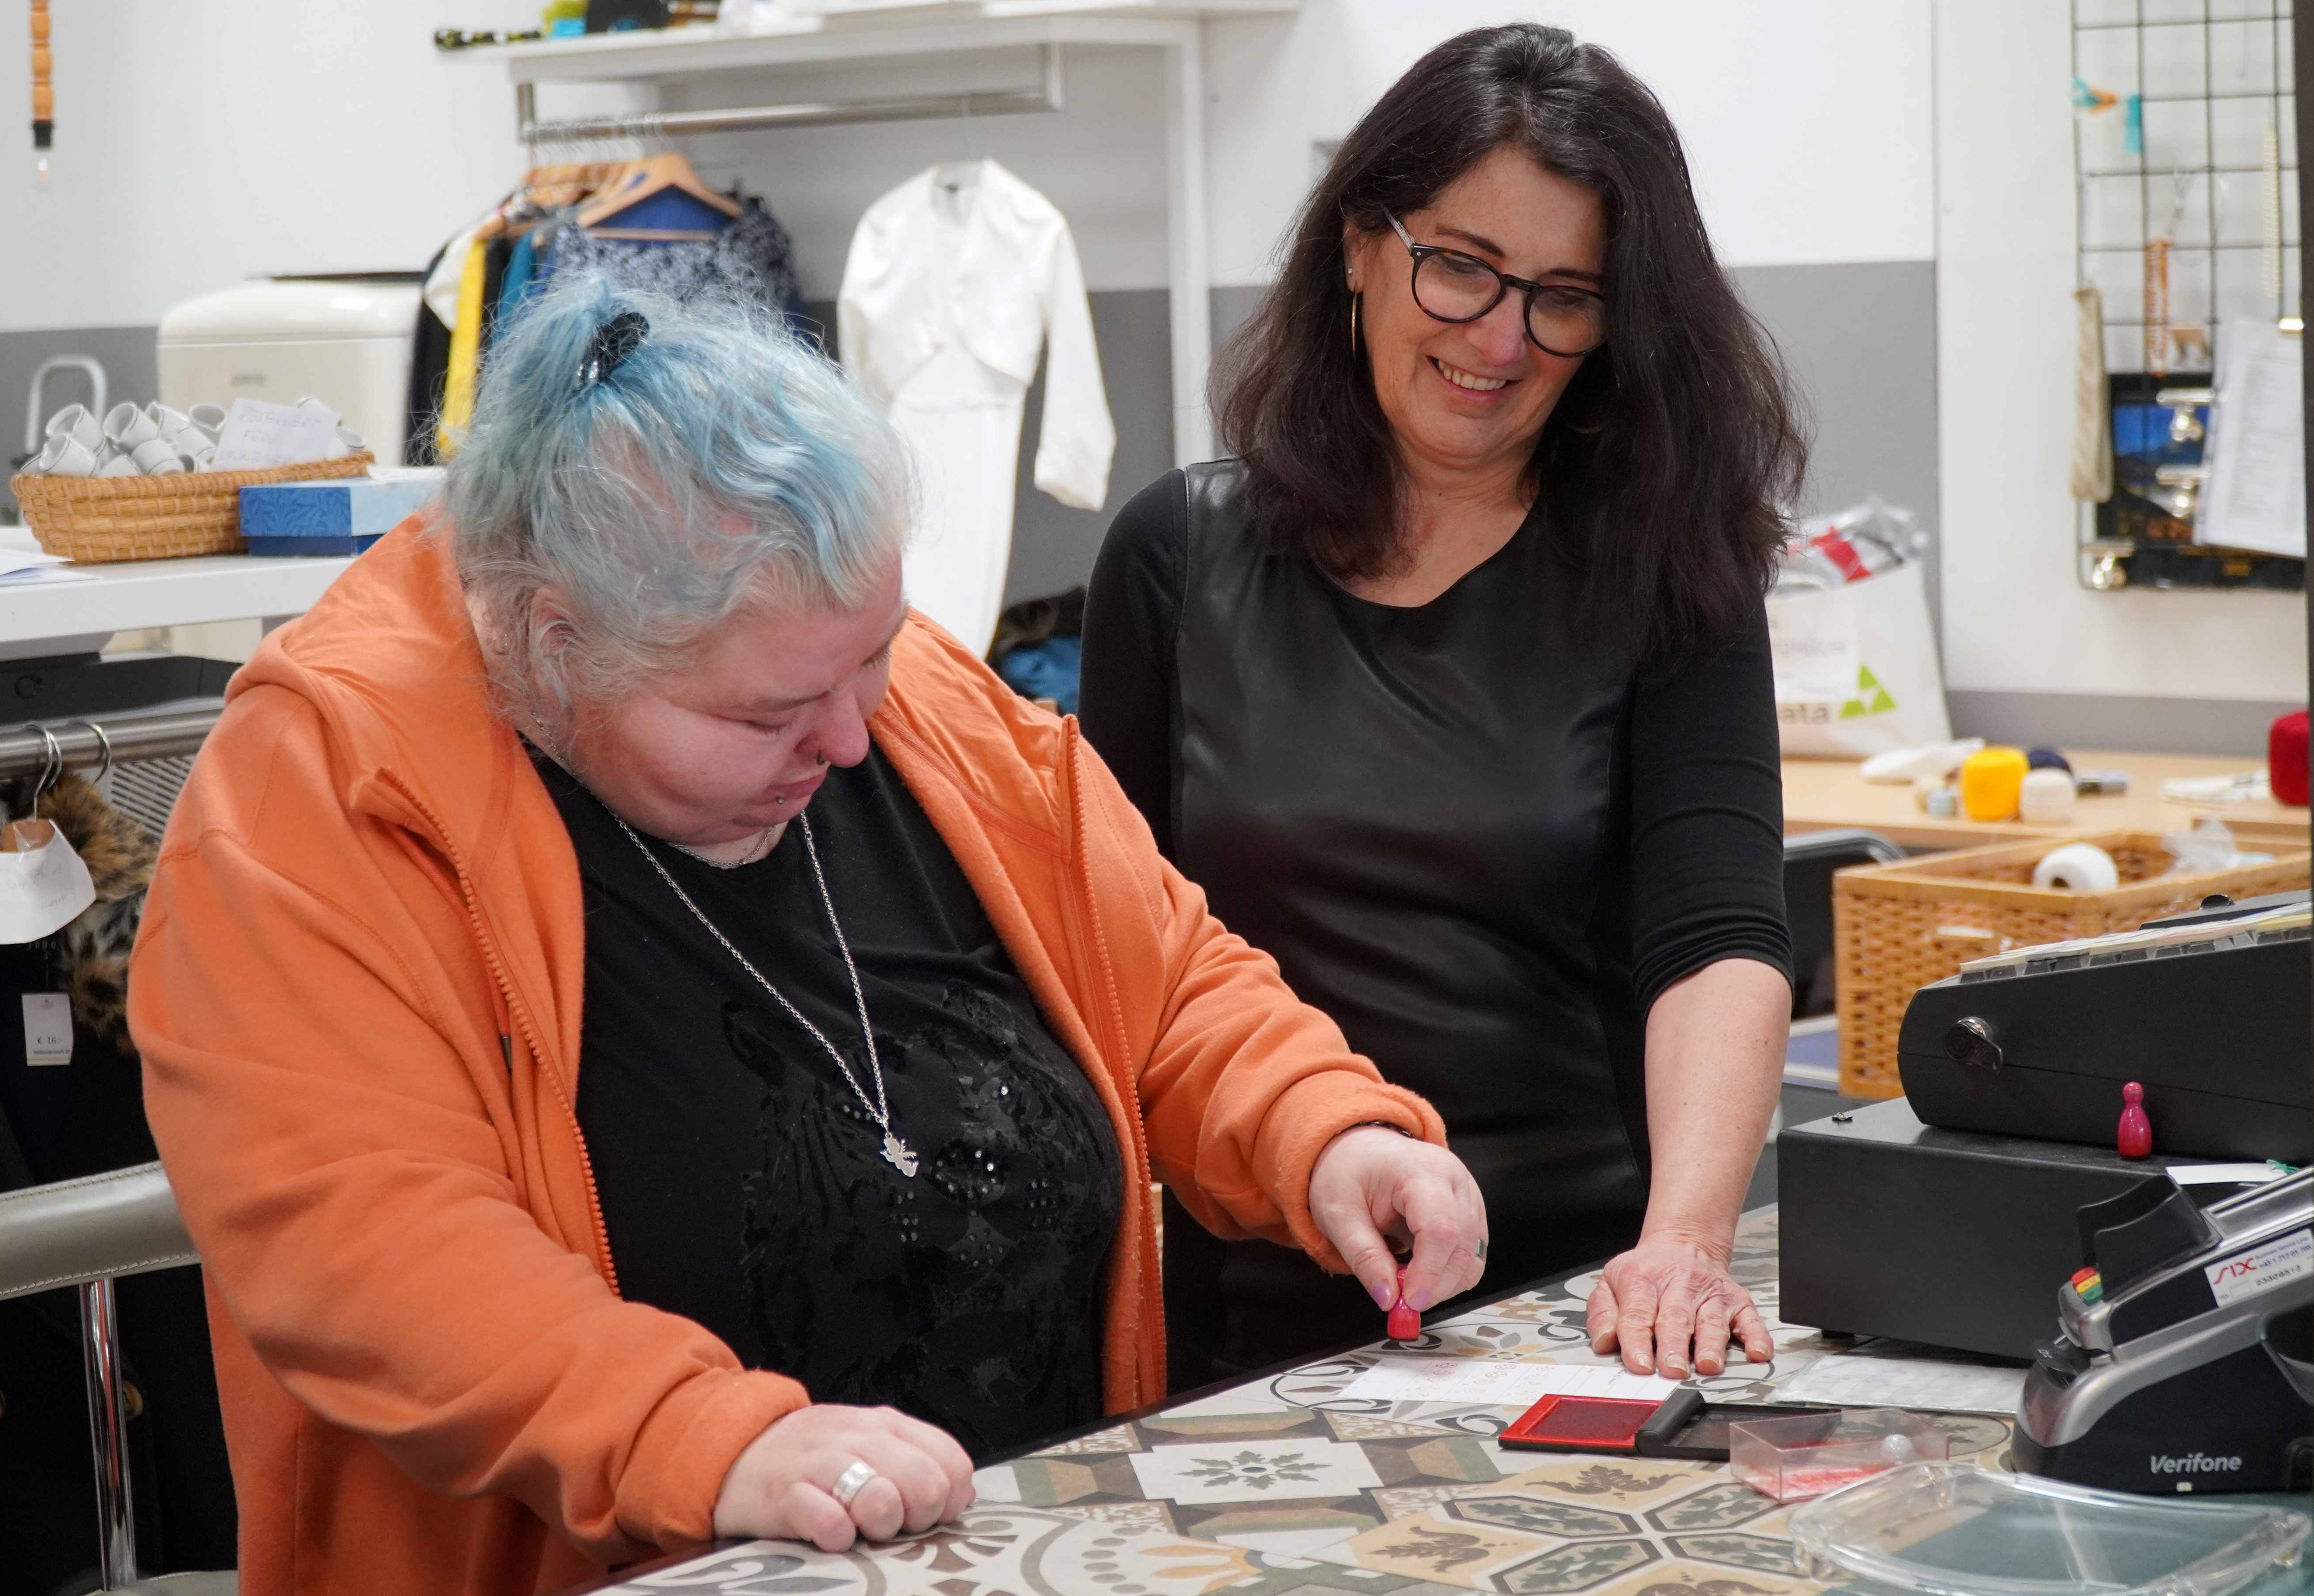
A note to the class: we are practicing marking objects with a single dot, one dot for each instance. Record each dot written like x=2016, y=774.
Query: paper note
x=42, y=887
x=2256, y=496
x=258, y=434
x=1812, y=638
x=2226, y=1174
x=1486, y=1382
x=1922, y=1384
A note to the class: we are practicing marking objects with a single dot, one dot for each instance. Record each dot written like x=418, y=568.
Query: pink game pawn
x=2134, y=1138
x=1405, y=1324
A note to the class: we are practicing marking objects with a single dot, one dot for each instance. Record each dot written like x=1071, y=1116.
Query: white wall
x=199, y=143
x=2016, y=618
x=1807, y=122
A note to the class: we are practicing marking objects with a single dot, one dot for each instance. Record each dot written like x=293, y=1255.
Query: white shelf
x=1173, y=28
x=908, y=30
x=135, y=594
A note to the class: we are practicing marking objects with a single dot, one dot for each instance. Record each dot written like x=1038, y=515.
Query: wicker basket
x=95, y=520
x=1897, y=928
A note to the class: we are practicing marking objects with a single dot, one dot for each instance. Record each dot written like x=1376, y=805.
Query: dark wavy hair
x=1663, y=468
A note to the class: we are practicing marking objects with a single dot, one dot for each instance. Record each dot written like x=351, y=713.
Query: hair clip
x=612, y=343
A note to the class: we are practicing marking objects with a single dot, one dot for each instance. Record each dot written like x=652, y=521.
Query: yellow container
x=1991, y=779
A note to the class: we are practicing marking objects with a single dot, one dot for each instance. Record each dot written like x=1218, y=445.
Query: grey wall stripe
x=2236, y=727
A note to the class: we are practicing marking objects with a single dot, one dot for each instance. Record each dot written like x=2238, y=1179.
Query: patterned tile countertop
x=1283, y=1487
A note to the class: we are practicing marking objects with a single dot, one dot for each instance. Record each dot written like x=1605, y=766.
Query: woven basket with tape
x=1897, y=928
x=95, y=520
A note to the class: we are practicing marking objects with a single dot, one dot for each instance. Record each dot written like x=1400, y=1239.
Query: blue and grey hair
x=721, y=462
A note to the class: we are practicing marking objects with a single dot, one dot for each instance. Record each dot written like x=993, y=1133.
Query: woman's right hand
x=782, y=1486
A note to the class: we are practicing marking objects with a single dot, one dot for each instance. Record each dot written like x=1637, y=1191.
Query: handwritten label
x=258, y=434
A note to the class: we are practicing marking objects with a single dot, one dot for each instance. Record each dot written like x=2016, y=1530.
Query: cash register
x=1949, y=1216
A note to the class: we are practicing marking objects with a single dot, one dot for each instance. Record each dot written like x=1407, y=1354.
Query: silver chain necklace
x=897, y=1152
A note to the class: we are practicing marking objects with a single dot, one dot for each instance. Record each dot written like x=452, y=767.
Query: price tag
x=47, y=1027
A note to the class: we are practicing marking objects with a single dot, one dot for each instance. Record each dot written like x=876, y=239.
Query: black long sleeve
x=1128, y=699
x=1707, y=816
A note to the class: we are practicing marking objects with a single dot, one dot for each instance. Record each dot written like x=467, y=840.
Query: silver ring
x=851, y=1482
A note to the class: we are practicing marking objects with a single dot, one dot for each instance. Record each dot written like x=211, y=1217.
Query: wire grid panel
x=2199, y=222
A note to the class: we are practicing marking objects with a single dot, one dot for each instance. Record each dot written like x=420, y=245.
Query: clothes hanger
x=28, y=831
x=661, y=198
x=104, y=749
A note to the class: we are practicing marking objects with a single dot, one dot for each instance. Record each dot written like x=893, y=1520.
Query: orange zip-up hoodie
x=356, y=993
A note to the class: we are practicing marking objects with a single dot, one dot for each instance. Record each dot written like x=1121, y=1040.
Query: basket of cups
x=143, y=482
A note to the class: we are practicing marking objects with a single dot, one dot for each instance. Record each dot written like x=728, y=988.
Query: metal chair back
x=89, y=1233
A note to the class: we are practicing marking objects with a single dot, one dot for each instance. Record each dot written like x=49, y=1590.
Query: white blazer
x=999, y=281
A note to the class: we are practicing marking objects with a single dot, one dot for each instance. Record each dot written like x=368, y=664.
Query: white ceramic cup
x=126, y=426
x=209, y=418
x=157, y=457
x=64, y=455
x=117, y=464
x=77, y=422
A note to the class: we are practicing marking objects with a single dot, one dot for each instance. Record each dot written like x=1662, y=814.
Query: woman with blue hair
x=653, y=1041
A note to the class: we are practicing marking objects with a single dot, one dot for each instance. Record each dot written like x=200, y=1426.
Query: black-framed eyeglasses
x=1561, y=319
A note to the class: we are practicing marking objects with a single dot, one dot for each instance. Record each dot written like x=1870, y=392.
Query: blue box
x=342, y=515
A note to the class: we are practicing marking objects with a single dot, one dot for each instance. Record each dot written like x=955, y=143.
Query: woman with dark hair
x=1453, y=689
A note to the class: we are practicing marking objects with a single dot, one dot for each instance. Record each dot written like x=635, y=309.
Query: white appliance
x=346, y=341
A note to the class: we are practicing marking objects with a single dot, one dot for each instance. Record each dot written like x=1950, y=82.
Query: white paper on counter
x=1487, y=1382
x=15, y=562
x=1921, y=1384
x=2256, y=496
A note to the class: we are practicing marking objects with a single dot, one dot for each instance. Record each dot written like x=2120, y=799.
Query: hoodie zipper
x=482, y=939
x=1126, y=1087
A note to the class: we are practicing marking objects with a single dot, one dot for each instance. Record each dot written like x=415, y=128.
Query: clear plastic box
x=1959, y=1529
x=1794, y=1459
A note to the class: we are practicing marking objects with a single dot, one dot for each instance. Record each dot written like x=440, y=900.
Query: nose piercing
x=822, y=758
x=779, y=800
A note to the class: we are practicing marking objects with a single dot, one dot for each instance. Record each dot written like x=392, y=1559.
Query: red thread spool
x=2285, y=758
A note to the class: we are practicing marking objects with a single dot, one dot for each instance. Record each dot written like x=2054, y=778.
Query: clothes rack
x=1047, y=94
x=168, y=731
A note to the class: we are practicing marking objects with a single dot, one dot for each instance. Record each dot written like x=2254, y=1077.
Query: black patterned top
x=751, y=260
x=743, y=1186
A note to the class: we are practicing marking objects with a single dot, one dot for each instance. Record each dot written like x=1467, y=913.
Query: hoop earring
x=1354, y=324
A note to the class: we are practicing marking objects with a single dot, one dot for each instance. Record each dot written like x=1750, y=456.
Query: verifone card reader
x=2185, y=1356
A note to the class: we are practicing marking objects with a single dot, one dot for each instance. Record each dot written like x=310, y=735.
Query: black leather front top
x=1480, y=845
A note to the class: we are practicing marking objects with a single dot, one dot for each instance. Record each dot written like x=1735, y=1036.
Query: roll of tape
x=2077, y=867
x=2046, y=797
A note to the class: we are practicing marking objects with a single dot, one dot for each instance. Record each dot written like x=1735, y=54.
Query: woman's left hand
x=1372, y=1189
x=1664, y=1294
